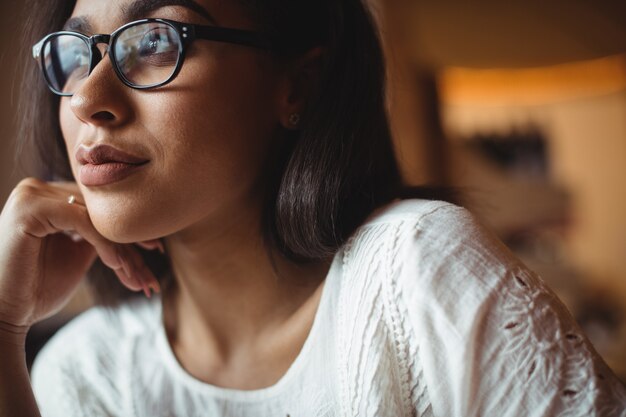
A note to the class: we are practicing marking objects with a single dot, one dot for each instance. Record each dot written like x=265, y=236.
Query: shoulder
x=431, y=235
x=476, y=324
x=434, y=259
x=79, y=363
x=412, y=267
x=439, y=219
x=407, y=209
x=439, y=261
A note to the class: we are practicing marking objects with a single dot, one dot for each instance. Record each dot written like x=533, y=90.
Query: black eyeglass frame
x=187, y=34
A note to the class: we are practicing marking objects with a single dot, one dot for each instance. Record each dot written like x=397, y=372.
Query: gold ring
x=71, y=199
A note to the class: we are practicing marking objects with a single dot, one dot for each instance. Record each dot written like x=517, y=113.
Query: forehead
x=92, y=16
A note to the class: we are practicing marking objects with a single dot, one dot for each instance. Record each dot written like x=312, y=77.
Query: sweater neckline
x=207, y=389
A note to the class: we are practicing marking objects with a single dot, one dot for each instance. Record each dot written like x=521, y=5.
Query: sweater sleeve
x=493, y=339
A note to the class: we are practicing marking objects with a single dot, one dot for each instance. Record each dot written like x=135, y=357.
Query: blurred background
x=519, y=104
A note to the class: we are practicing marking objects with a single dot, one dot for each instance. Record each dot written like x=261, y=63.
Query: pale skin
x=208, y=136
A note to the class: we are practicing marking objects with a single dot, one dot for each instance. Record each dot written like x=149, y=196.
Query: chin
x=118, y=230
x=129, y=222
x=121, y=224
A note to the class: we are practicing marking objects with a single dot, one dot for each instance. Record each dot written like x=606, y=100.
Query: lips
x=103, y=154
x=104, y=164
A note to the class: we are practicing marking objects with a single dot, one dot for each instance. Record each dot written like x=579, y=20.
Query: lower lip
x=103, y=174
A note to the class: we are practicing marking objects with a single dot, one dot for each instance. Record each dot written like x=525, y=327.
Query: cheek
x=234, y=102
x=214, y=143
x=209, y=135
x=70, y=126
x=223, y=128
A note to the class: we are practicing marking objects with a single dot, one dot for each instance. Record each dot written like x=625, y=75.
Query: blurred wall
x=10, y=11
x=567, y=223
x=581, y=108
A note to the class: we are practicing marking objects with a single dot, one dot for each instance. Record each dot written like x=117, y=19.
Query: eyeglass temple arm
x=238, y=36
x=37, y=49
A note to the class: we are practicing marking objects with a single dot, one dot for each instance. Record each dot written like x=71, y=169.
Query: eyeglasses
x=147, y=53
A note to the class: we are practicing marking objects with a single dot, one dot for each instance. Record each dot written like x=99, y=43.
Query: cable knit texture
x=423, y=313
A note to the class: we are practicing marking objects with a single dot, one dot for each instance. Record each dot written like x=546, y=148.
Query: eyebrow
x=137, y=10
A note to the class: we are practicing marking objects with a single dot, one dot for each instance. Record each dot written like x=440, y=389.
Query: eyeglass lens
x=66, y=62
x=146, y=55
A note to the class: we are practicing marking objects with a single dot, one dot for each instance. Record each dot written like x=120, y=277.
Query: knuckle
x=24, y=208
x=23, y=195
x=31, y=226
x=30, y=182
x=25, y=191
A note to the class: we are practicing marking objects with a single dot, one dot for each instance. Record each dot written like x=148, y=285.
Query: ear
x=301, y=79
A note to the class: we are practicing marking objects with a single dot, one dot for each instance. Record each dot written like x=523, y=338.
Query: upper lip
x=102, y=154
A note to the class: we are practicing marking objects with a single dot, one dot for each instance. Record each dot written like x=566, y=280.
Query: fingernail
x=128, y=279
x=160, y=247
x=146, y=291
x=156, y=286
x=153, y=283
x=128, y=269
x=149, y=279
x=125, y=266
x=138, y=270
x=143, y=283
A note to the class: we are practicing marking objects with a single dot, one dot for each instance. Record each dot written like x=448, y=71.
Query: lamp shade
x=512, y=33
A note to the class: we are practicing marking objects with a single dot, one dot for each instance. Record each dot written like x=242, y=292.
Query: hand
x=46, y=247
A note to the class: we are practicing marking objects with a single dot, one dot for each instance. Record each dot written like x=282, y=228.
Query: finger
x=139, y=269
x=42, y=210
x=60, y=189
x=152, y=245
x=46, y=216
x=133, y=272
x=71, y=196
x=125, y=278
x=68, y=186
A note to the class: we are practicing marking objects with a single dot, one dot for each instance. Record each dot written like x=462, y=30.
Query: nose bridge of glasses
x=95, y=40
x=98, y=52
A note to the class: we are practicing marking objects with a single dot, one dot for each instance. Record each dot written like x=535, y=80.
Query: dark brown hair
x=338, y=168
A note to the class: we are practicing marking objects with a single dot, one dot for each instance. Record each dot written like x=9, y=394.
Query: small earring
x=294, y=119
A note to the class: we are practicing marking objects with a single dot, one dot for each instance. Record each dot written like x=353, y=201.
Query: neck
x=229, y=298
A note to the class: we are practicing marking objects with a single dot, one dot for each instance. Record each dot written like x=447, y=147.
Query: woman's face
x=207, y=135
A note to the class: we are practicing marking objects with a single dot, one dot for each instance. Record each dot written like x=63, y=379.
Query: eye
x=147, y=53
x=159, y=45
x=150, y=43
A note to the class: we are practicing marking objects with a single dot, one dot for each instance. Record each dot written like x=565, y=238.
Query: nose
x=102, y=99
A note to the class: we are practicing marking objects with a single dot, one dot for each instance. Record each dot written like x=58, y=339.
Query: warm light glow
x=532, y=86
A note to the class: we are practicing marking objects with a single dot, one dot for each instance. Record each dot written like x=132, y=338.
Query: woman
x=235, y=158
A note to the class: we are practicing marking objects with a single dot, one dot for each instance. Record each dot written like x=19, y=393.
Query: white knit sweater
x=423, y=313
